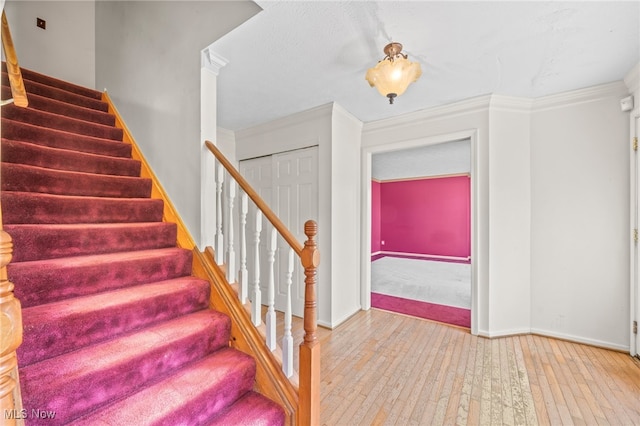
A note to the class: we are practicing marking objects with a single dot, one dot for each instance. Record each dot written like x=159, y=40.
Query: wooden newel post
x=309, y=392
x=10, y=339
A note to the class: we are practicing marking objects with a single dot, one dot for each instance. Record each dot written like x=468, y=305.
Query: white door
x=635, y=286
x=291, y=191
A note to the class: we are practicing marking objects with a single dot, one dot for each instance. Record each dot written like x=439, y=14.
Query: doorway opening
x=419, y=233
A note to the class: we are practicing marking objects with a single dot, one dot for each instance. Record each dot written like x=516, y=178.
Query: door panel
x=295, y=183
x=288, y=182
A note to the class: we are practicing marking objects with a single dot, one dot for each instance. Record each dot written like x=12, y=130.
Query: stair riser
x=60, y=122
x=19, y=131
x=24, y=207
x=39, y=242
x=69, y=110
x=252, y=408
x=57, y=328
x=17, y=177
x=44, y=282
x=94, y=381
x=62, y=159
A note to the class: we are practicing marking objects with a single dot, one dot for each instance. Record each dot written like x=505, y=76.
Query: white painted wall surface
x=148, y=57
x=510, y=216
x=66, y=49
x=580, y=217
x=346, y=134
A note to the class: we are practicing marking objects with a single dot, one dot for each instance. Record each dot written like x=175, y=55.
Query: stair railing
x=18, y=91
x=11, y=410
x=308, y=377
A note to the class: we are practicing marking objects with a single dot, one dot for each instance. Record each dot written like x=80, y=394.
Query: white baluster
x=231, y=254
x=271, y=312
x=256, y=302
x=243, y=277
x=219, y=235
x=287, y=339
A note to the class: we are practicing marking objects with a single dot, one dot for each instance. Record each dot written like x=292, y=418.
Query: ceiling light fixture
x=393, y=74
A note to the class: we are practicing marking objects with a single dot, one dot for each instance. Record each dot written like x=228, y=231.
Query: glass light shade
x=392, y=77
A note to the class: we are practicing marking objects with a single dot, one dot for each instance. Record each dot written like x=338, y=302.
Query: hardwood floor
x=380, y=368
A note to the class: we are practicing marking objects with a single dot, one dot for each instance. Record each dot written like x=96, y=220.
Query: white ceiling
x=296, y=55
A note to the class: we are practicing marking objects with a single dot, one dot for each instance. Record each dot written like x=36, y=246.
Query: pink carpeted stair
x=116, y=330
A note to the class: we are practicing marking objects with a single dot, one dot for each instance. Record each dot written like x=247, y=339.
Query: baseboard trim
x=561, y=336
x=583, y=340
x=503, y=333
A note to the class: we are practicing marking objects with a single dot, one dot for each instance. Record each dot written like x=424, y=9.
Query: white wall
x=510, y=216
x=337, y=135
x=346, y=134
x=551, y=226
x=148, y=56
x=580, y=216
x=66, y=49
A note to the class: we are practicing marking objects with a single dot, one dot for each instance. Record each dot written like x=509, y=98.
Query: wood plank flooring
x=380, y=368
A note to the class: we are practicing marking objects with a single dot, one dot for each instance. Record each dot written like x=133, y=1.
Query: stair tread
x=64, y=240
x=50, y=280
x=61, y=122
x=28, y=207
x=80, y=381
x=190, y=396
x=25, y=132
x=60, y=327
x=33, y=86
x=27, y=178
x=80, y=261
x=28, y=153
x=52, y=105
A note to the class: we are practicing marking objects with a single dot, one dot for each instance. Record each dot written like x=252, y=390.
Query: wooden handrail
x=268, y=213
x=18, y=91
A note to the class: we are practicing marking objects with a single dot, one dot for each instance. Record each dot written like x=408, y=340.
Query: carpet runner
x=116, y=330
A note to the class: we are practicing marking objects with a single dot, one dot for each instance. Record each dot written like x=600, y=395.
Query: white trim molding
x=211, y=61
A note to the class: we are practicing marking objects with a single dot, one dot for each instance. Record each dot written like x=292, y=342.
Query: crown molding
x=632, y=79
x=467, y=106
x=588, y=94
x=320, y=112
x=511, y=103
x=212, y=61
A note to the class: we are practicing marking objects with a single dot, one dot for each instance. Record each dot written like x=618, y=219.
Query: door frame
x=365, y=266
x=634, y=281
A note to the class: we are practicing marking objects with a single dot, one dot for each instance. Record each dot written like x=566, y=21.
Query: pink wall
x=375, y=216
x=426, y=216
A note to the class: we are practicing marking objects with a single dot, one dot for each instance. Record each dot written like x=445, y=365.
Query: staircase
x=116, y=330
